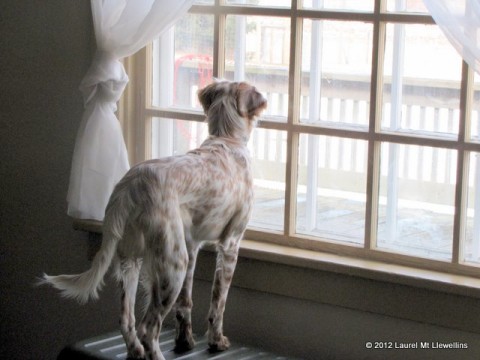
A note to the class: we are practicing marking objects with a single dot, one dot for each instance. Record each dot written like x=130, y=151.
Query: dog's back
x=208, y=185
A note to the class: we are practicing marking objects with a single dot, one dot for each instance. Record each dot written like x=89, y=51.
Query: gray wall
x=46, y=49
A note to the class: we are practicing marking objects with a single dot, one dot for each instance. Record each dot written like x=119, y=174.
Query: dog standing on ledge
x=161, y=212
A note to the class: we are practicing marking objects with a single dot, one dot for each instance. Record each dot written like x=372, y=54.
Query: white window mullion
x=462, y=176
x=294, y=86
x=375, y=111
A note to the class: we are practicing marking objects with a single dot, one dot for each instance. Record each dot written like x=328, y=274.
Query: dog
x=160, y=214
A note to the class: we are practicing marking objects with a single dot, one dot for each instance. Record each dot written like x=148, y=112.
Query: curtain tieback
x=105, y=80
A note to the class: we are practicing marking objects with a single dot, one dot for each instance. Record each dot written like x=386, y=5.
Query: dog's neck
x=229, y=141
x=234, y=146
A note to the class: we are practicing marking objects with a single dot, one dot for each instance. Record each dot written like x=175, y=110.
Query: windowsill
x=93, y=226
x=367, y=269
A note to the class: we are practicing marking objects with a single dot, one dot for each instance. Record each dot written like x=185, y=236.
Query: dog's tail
x=86, y=285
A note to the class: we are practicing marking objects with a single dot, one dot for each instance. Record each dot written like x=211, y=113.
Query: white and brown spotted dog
x=161, y=212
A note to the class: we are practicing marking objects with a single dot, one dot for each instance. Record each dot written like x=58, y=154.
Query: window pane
x=269, y=153
x=422, y=76
x=183, y=62
x=336, y=66
x=414, y=6
x=176, y=137
x=361, y=5
x=257, y=50
x=265, y=3
x=416, y=203
x=331, y=188
x=471, y=246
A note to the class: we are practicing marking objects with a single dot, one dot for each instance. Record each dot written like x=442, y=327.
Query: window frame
x=136, y=113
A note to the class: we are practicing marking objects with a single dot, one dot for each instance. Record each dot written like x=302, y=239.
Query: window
x=370, y=146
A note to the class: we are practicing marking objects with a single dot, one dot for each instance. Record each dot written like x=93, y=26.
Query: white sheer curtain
x=100, y=159
x=460, y=21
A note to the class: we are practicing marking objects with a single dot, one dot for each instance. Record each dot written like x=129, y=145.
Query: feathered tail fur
x=86, y=285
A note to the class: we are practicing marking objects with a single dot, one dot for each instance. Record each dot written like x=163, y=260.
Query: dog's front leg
x=226, y=262
x=183, y=307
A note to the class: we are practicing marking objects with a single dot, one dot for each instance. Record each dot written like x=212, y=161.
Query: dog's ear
x=250, y=103
x=209, y=93
x=206, y=96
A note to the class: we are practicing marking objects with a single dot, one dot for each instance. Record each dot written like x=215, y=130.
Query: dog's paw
x=136, y=354
x=219, y=345
x=184, y=344
x=136, y=351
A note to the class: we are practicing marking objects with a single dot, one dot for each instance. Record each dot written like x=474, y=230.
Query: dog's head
x=231, y=108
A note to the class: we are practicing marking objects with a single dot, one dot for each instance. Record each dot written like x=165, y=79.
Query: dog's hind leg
x=183, y=307
x=165, y=269
x=129, y=275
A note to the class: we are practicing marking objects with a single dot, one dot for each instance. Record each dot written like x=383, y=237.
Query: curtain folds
x=100, y=159
x=460, y=21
